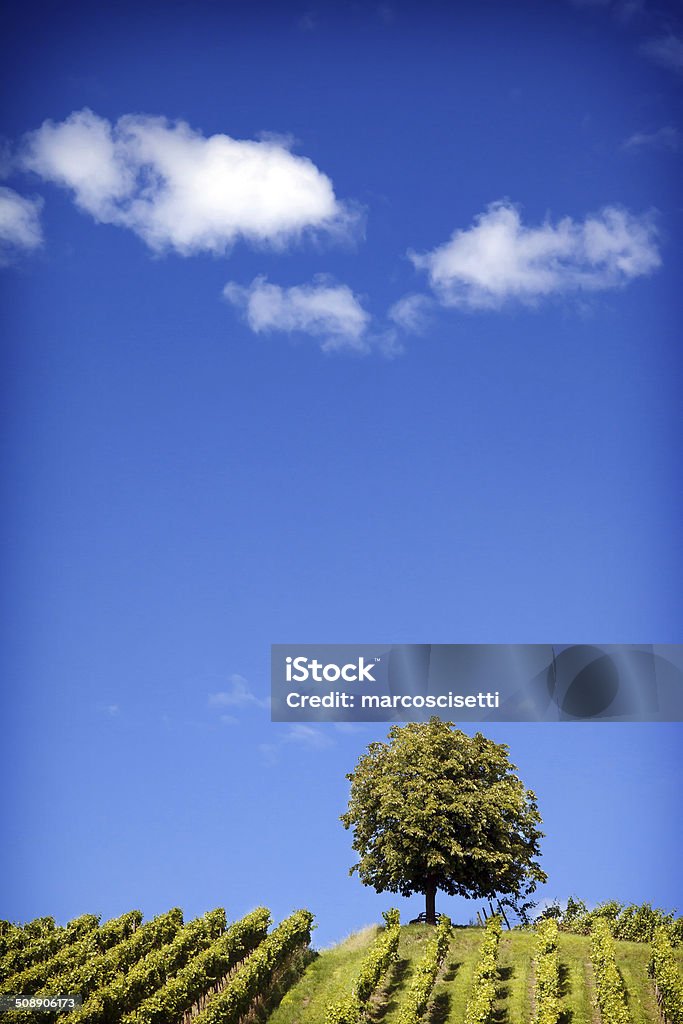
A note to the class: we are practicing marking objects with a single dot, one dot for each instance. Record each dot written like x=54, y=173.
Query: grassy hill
x=332, y=974
x=169, y=971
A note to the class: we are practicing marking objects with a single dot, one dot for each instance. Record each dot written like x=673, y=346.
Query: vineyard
x=161, y=972
x=207, y=971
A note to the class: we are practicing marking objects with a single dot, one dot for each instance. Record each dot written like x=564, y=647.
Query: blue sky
x=327, y=322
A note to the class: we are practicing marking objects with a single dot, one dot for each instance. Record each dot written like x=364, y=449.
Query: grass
x=329, y=977
x=514, y=991
x=452, y=991
x=576, y=977
x=632, y=959
x=333, y=972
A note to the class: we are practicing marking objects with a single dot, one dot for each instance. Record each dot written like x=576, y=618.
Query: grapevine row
x=84, y=978
x=667, y=979
x=426, y=973
x=16, y=936
x=183, y=990
x=78, y=953
x=611, y=995
x=381, y=955
x=128, y=988
x=482, y=997
x=547, y=974
x=39, y=940
x=256, y=974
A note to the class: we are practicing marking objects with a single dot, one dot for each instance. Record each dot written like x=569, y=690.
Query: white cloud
x=112, y=710
x=498, y=259
x=665, y=50
x=327, y=311
x=80, y=154
x=178, y=189
x=411, y=313
x=20, y=229
x=663, y=138
x=239, y=695
x=308, y=736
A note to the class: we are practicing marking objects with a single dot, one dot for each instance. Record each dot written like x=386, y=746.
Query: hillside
x=206, y=971
x=332, y=974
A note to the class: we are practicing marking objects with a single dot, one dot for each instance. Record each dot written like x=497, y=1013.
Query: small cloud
x=308, y=22
x=20, y=229
x=663, y=138
x=308, y=736
x=411, y=313
x=238, y=696
x=110, y=709
x=269, y=752
x=627, y=10
x=349, y=728
x=499, y=260
x=329, y=312
x=667, y=51
x=183, y=191
x=387, y=343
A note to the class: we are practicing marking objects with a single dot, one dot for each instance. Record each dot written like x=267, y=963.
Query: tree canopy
x=437, y=809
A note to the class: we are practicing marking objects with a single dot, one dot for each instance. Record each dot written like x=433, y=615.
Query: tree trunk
x=430, y=896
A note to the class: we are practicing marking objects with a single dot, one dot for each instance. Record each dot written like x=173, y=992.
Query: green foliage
x=482, y=997
x=611, y=995
x=574, y=916
x=553, y=912
x=379, y=958
x=547, y=974
x=345, y=1011
x=39, y=940
x=17, y=936
x=256, y=973
x=206, y=969
x=76, y=954
x=99, y=968
x=633, y=922
x=640, y=923
x=128, y=988
x=422, y=985
x=99, y=971
x=381, y=955
x=436, y=809
x=667, y=978
x=520, y=904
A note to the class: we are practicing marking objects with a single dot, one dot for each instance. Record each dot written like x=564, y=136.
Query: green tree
x=436, y=809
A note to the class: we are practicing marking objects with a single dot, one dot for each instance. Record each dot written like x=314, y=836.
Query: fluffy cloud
x=178, y=189
x=663, y=138
x=309, y=736
x=19, y=224
x=238, y=696
x=327, y=311
x=665, y=50
x=411, y=313
x=499, y=259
